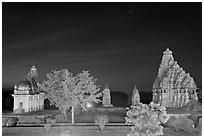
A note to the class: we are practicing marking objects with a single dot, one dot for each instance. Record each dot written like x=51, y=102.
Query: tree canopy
x=65, y=90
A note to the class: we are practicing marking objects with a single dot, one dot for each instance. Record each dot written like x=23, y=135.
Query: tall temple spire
x=106, y=97
x=167, y=59
x=106, y=87
x=135, y=96
x=33, y=73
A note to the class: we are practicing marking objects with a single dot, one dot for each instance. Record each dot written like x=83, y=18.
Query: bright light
x=89, y=105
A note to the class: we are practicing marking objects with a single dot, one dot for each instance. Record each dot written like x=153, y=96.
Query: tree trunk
x=72, y=114
x=65, y=114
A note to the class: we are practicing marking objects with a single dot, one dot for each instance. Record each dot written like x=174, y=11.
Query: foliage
x=195, y=119
x=66, y=133
x=53, y=121
x=47, y=127
x=49, y=123
x=4, y=121
x=31, y=120
x=193, y=105
x=66, y=91
x=101, y=121
x=181, y=123
x=11, y=122
x=146, y=119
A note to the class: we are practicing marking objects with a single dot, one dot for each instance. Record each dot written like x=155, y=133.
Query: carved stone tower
x=33, y=73
x=135, y=96
x=106, y=97
x=167, y=61
x=173, y=87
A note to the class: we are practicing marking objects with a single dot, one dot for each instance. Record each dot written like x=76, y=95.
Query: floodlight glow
x=89, y=105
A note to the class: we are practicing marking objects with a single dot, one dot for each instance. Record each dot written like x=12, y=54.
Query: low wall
x=178, y=115
x=110, y=109
x=13, y=120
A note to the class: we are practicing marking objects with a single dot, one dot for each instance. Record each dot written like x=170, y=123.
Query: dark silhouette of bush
x=119, y=99
x=200, y=95
x=7, y=99
x=122, y=99
x=145, y=97
x=47, y=105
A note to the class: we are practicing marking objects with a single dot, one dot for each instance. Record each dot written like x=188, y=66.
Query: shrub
x=11, y=122
x=48, y=120
x=181, y=123
x=4, y=121
x=66, y=133
x=195, y=119
x=30, y=120
x=47, y=127
x=101, y=121
x=193, y=105
x=146, y=119
x=49, y=123
x=22, y=120
x=53, y=121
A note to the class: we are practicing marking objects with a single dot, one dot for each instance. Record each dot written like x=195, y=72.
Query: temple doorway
x=20, y=105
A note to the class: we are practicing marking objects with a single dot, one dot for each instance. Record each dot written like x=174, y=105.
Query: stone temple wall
x=173, y=87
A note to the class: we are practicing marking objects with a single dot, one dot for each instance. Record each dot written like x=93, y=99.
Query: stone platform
x=107, y=105
x=111, y=109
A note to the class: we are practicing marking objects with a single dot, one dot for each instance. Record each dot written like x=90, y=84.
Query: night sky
x=121, y=44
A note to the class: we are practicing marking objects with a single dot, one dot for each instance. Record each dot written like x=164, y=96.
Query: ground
x=82, y=117
x=115, y=127
x=80, y=131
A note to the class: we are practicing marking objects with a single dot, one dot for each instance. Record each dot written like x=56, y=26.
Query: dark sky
x=119, y=43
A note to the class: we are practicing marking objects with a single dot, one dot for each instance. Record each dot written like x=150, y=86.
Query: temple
x=173, y=87
x=135, y=96
x=106, y=97
x=27, y=96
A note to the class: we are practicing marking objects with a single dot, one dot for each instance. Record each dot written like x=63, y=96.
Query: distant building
x=27, y=96
x=173, y=87
x=106, y=97
x=135, y=96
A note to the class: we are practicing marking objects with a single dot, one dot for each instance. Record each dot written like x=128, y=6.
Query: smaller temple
x=135, y=96
x=106, y=97
x=27, y=96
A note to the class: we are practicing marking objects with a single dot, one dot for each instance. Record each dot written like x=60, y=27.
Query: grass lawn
x=82, y=131
x=114, y=117
x=83, y=117
x=88, y=116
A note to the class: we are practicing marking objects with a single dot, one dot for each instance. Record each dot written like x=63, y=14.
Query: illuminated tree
x=66, y=91
x=146, y=119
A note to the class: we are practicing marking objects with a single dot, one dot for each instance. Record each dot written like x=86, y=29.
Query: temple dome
x=24, y=83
